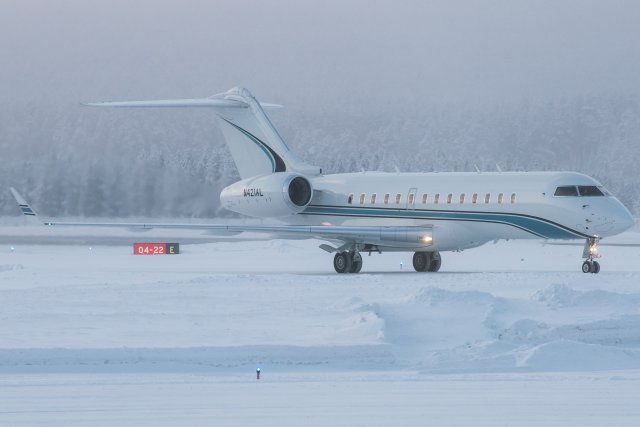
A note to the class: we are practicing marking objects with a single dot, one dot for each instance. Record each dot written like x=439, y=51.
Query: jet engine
x=274, y=195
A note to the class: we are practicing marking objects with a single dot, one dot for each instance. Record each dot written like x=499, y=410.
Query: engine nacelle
x=273, y=195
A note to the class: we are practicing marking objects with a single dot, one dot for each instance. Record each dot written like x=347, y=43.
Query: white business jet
x=425, y=213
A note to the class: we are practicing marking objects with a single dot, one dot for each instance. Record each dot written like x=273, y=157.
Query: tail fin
x=256, y=146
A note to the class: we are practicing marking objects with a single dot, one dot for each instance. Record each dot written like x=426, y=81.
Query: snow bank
x=562, y=296
x=222, y=306
x=470, y=331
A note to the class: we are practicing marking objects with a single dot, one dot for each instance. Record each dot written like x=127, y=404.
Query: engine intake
x=300, y=191
x=273, y=195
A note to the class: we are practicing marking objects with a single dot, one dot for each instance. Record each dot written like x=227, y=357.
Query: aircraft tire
x=595, y=268
x=342, y=262
x=356, y=266
x=356, y=262
x=436, y=262
x=421, y=261
x=586, y=267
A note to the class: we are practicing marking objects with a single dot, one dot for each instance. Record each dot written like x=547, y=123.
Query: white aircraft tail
x=256, y=146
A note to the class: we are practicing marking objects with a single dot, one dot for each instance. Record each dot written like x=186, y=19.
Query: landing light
x=426, y=239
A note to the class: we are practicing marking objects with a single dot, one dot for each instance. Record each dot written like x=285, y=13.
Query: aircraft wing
x=416, y=236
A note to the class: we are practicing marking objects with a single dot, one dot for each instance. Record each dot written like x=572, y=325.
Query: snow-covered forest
x=159, y=163
x=421, y=86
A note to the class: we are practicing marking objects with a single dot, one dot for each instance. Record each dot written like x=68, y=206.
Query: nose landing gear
x=590, y=252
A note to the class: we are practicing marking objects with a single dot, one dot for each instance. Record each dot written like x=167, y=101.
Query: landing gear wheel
x=436, y=262
x=595, y=268
x=587, y=266
x=356, y=262
x=342, y=262
x=421, y=261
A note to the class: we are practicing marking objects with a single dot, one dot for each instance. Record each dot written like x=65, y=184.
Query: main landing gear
x=351, y=261
x=347, y=262
x=427, y=261
x=590, y=252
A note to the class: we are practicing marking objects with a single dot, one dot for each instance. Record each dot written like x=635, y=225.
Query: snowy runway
x=512, y=331
x=378, y=399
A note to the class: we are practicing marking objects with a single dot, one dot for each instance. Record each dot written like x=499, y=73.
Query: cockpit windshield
x=580, y=191
x=566, y=190
x=589, y=190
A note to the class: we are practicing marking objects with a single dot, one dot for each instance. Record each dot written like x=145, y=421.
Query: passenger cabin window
x=350, y=201
x=424, y=199
x=474, y=198
x=411, y=196
x=500, y=197
x=449, y=197
x=386, y=198
x=462, y=198
x=373, y=199
x=362, y=199
x=487, y=197
x=436, y=198
x=398, y=197
x=513, y=198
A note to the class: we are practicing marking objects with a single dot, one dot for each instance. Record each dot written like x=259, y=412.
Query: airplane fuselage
x=468, y=209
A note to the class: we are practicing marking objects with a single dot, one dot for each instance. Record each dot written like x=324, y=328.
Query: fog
x=529, y=85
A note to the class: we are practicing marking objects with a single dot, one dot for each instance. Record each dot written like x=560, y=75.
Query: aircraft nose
x=625, y=220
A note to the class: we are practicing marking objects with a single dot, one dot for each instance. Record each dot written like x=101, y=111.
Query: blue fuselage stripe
x=534, y=225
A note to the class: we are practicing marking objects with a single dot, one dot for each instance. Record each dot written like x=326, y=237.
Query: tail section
x=256, y=146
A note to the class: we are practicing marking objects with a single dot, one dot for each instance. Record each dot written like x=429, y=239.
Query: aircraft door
x=411, y=198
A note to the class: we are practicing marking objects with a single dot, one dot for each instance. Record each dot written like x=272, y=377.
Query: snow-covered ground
x=508, y=334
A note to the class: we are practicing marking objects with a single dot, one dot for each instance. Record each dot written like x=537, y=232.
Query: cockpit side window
x=566, y=190
x=604, y=191
x=589, y=190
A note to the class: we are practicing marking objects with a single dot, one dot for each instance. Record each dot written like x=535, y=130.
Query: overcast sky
x=329, y=51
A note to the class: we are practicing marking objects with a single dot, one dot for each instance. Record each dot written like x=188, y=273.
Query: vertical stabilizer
x=256, y=146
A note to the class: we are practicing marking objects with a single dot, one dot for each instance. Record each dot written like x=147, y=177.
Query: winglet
x=24, y=206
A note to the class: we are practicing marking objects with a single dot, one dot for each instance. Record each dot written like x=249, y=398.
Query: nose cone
x=613, y=218
x=627, y=221
x=623, y=220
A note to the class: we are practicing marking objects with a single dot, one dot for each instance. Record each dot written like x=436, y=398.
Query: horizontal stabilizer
x=256, y=146
x=180, y=103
